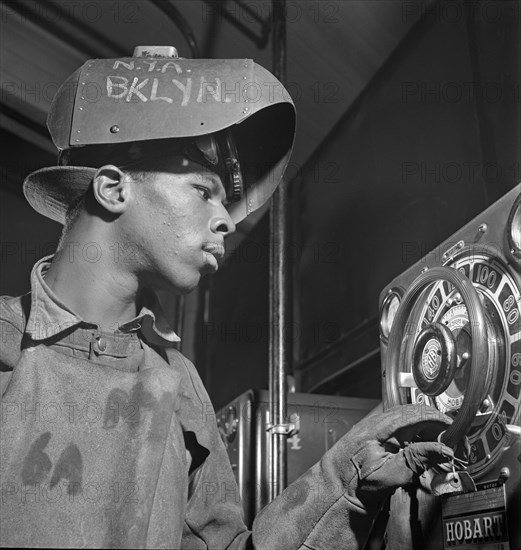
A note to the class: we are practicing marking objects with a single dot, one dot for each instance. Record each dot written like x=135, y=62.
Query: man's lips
x=216, y=251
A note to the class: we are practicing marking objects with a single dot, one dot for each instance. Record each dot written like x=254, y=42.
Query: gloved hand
x=334, y=503
x=402, y=444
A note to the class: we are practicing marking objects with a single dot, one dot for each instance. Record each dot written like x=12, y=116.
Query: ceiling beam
x=65, y=26
x=26, y=128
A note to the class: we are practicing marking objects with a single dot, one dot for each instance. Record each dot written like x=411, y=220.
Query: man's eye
x=205, y=192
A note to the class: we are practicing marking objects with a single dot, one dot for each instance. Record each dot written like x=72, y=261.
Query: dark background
x=432, y=141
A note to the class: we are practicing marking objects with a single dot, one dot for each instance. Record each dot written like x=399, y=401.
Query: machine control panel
x=450, y=332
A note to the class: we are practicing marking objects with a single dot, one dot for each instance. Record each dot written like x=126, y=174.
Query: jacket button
x=102, y=344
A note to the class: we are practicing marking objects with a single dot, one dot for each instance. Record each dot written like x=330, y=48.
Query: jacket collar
x=50, y=317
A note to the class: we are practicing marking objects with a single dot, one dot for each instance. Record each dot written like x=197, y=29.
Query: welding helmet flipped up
x=230, y=115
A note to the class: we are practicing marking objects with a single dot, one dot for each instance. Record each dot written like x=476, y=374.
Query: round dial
x=388, y=311
x=514, y=230
x=442, y=304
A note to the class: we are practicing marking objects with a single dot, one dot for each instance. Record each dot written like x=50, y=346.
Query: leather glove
x=333, y=505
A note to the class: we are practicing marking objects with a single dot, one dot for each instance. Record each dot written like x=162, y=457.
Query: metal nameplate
x=476, y=520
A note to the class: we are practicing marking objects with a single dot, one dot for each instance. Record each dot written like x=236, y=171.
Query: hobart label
x=475, y=520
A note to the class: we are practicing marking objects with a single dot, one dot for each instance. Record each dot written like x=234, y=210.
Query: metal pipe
x=182, y=24
x=251, y=12
x=213, y=30
x=278, y=291
x=220, y=9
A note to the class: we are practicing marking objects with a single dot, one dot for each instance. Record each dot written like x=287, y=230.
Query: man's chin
x=177, y=287
x=188, y=287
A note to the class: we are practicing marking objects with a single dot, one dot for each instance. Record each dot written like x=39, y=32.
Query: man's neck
x=89, y=277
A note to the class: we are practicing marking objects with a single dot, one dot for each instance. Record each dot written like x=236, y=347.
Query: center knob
x=434, y=359
x=431, y=359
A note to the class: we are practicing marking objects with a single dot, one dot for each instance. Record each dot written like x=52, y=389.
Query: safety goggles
x=218, y=153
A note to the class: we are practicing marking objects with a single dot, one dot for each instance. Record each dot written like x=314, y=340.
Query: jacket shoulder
x=190, y=380
x=12, y=323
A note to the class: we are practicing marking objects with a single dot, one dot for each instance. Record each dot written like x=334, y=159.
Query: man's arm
x=12, y=322
x=214, y=512
x=332, y=505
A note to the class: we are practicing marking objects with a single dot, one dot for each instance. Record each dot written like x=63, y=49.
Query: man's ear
x=111, y=189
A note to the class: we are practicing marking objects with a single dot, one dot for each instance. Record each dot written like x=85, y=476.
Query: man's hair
x=72, y=215
x=74, y=210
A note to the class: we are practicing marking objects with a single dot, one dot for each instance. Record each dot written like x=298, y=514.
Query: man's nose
x=222, y=224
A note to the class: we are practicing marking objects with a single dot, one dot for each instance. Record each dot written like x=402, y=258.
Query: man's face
x=177, y=223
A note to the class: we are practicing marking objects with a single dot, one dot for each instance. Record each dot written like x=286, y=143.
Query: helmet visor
x=216, y=152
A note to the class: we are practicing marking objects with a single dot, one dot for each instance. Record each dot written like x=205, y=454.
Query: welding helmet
x=231, y=116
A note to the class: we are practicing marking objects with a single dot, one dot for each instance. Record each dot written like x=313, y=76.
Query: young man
x=108, y=438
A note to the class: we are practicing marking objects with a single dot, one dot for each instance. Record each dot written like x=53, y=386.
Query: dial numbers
x=502, y=301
